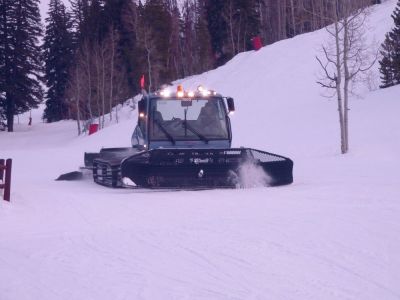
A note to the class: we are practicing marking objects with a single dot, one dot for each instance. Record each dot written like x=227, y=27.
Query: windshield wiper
x=202, y=137
x=169, y=136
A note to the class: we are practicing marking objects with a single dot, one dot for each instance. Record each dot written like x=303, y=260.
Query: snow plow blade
x=200, y=168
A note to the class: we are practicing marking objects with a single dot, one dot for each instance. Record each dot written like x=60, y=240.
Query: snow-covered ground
x=333, y=234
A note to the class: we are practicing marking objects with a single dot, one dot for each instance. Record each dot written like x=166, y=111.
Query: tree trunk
x=346, y=81
x=238, y=34
x=283, y=12
x=148, y=51
x=292, y=17
x=78, y=104
x=112, y=71
x=10, y=112
x=8, y=97
x=231, y=28
x=87, y=55
x=98, y=85
x=103, y=88
x=339, y=86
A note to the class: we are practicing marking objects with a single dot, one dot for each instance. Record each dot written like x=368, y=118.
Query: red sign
x=142, y=82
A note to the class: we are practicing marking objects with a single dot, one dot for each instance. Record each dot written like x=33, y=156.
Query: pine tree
x=232, y=24
x=390, y=63
x=395, y=37
x=128, y=45
x=79, y=13
x=20, y=63
x=217, y=28
x=155, y=39
x=58, y=54
x=249, y=26
x=203, y=40
x=386, y=64
x=5, y=38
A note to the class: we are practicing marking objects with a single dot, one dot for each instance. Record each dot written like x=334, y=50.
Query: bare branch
x=325, y=69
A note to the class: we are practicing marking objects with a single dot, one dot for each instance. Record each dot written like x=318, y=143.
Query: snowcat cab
x=183, y=120
x=183, y=140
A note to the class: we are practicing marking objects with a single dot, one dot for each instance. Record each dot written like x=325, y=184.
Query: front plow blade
x=207, y=168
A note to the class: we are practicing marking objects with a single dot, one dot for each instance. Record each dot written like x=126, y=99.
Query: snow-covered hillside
x=332, y=234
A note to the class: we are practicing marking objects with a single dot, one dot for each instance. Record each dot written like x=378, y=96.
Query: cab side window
x=138, y=138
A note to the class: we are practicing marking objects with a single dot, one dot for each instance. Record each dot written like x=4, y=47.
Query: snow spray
x=252, y=175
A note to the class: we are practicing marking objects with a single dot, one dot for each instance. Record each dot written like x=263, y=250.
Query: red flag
x=142, y=82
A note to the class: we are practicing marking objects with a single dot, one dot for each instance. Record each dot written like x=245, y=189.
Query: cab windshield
x=198, y=119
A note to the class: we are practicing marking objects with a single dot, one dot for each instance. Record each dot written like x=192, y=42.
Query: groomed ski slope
x=333, y=234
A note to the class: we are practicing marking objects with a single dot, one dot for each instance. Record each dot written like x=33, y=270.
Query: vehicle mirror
x=231, y=104
x=186, y=103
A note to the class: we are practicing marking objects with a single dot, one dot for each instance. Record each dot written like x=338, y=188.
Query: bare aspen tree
x=283, y=14
x=292, y=15
x=77, y=99
x=148, y=47
x=348, y=58
x=146, y=39
x=74, y=95
x=114, y=70
x=238, y=33
x=103, y=84
x=229, y=18
x=112, y=63
x=98, y=81
x=121, y=87
x=86, y=54
x=77, y=92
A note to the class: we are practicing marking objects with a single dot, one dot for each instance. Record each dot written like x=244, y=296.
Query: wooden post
x=6, y=185
x=1, y=169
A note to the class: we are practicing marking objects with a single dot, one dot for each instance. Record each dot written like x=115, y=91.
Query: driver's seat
x=158, y=116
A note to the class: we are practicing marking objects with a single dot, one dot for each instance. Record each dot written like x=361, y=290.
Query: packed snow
x=332, y=234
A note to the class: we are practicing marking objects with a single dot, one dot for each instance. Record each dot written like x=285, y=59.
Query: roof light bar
x=206, y=93
x=181, y=93
x=165, y=93
x=190, y=94
x=203, y=91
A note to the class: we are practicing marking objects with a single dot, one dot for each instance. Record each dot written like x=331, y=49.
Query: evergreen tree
x=386, y=64
x=5, y=38
x=175, y=64
x=217, y=28
x=203, y=40
x=58, y=54
x=20, y=57
x=248, y=23
x=395, y=37
x=79, y=13
x=390, y=63
x=128, y=45
x=155, y=40
x=232, y=24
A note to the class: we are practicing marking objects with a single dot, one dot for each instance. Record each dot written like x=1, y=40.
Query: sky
x=44, y=4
